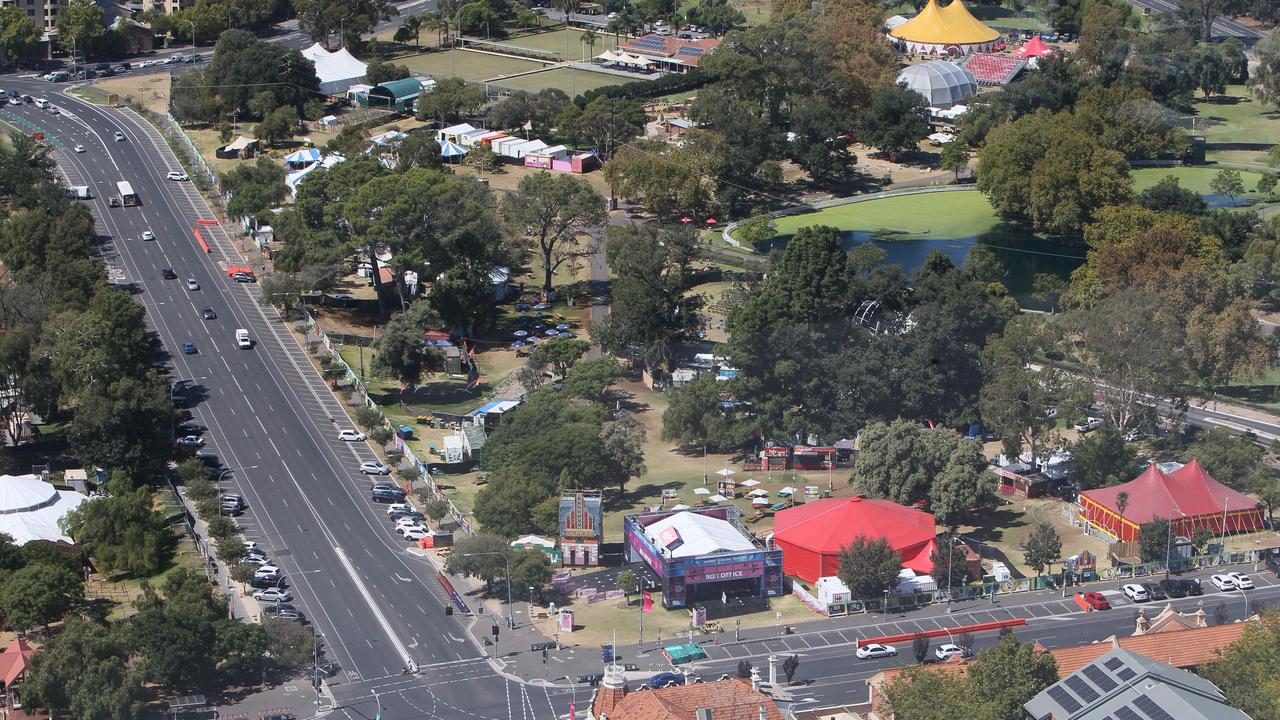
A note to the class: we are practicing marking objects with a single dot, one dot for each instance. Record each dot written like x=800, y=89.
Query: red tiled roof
x=727, y=699
x=668, y=47
x=14, y=660
x=1189, y=648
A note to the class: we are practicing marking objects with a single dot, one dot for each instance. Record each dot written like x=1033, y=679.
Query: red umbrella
x=711, y=221
x=686, y=219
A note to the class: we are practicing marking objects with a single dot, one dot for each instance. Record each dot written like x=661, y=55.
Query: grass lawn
x=122, y=591
x=1002, y=17
x=466, y=64
x=90, y=94
x=1236, y=116
x=1197, y=178
x=1262, y=392
x=570, y=80
x=1007, y=526
x=565, y=43
x=949, y=214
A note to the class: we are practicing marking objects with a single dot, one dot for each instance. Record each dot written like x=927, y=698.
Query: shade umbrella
x=711, y=221
x=681, y=506
x=787, y=491
x=518, y=344
x=520, y=333
x=758, y=493
x=759, y=502
x=567, y=335
x=552, y=332
x=749, y=483
x=701, y=491
x=533, y=339
x=562, y=326
x=717, y=498
x=686, y=219
x=724, y=472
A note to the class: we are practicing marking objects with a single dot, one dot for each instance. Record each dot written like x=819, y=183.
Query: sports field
x=907, y=217
x=573, y=82
x=565, y=41
x=467, y=65
x=1197, y=178
x=1237, y=116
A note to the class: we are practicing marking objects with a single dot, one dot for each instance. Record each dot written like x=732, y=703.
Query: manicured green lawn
x=570, y=80
x=945, y=214
x=1002, y=17
x=1253, y=157
x=1237, y=116
x=466, y=65
x=1196, y=178
x=567, y=43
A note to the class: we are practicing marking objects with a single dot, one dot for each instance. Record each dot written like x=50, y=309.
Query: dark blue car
x=188, y=348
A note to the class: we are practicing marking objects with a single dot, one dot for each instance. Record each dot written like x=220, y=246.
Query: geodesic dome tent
x=941, y=82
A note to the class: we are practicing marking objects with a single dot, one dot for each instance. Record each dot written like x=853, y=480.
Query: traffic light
x=448, y=609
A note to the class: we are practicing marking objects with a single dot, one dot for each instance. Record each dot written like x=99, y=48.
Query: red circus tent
x=1188, y=497
x=811, y=535
x=1034, y=48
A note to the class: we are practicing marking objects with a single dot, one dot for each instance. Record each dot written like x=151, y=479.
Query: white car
x=259, y=560
x=415, y=534
x=1136, y=592
x=1089, y=425
x=374, y=468
x=119, y=136
x=413, y=526
x=875, y=650
x=78, y=148
x=351, y=435
x=394, y=508
x=53, y=110
x=946, y=651
x=192, y=284
x=1242, y=581
x=191, y=441
x=267, y=571
x=148, y=235
x=177, y=176
x=1225, y=583
x=250, y=545
x=407, y=521
x=273, y=595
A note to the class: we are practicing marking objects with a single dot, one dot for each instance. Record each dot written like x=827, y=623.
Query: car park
x=192, y=284
x=351, y=436
x=396, y=507
x=273, y=595
x=188, y=348
x=191, y=441
x=1242, y=581
x=1135, y=592
x=946, y=651
x=1154, y=592
x=1225, y=583
x=177, y=176
x=169, y=274
x=208, y=314
x=875, y=650
x=78, y=148
x=1094, y=600
x=374, y=468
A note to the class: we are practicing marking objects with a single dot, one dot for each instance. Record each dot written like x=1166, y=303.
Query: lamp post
x=951, y=551
x=1244, y=595
x=511, y=624
x=193, y=35
x=1168, y=546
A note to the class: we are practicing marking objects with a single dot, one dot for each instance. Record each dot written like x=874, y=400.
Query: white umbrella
x=718, y=498
x=701, y=491
x=724, y=472
x=759, y=502
x=681, y=506
x=758, y=493
x=787, y=491
x=749, y=483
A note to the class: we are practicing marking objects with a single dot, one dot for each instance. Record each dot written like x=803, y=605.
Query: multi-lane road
x=273, y=422
x=1223, y=27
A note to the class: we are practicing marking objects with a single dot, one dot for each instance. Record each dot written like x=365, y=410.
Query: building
x=1126, y=685
x=667, y=52
x=396, y=94
x=811, y=535
x=1188, y=497
x=732, y=699
x=941, y=82
x=43, y=12
x=701, y=554
x=138, y=38
x=337, y=71
x=15, y=660
x=31, y=509
x=950, y=30
x=581, y=528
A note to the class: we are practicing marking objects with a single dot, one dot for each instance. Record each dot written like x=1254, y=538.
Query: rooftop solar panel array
x=1099, y=678
x=1082, y=688
x=1152, y=710
x=1064, y=698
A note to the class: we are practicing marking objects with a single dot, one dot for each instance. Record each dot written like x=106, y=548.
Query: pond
x=909, y=227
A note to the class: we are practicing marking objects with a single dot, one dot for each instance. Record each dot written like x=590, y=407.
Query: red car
x=1092, y=601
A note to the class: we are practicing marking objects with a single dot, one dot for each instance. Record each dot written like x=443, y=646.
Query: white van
x=242, y=338
x=42, y=103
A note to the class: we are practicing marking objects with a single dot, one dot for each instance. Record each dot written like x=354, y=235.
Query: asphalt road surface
x=1222, y=27
x=272, y=420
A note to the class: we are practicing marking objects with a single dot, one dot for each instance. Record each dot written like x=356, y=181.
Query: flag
x=648, y=601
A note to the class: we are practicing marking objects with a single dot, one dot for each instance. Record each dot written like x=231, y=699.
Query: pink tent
x=1034, y=48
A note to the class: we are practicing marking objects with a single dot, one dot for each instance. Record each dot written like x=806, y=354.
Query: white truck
x=80, y=192
x=242, y=338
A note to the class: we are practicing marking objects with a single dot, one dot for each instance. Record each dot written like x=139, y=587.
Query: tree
x=255, y=188
x=964, y=483
x=624, y=440
x=1043, y=548
x=278, y=126
x=900, y=461
x=1005, y=677
x=290, y=645
x=898, y=121
x=920, y=648
x=1244, y=671
x=80, y=24
x=950, y=572
x=320, y=19
x=1103, y=459
x=451, y=100
x=628, y=583
x=1122, y=503
x=1153, y=540
x=1265, y=81
x=121, y=531
x=418, y=151
x=410, y=28
x=869, y=567
x=695, y=417
x=955, y=158
x=921, y=693
x=1267, y=184
x=84, y=672
x=671, y=178
x=125, y=426
x=1201, y=14
x=530, y=569
x=1226, y=344
x=559, y=353
x=476, y=17
x=1228, y=182
x=399, y=351
x=606, y=124
x=1169, y=195
x=241, y=646
x=479, y=556
x=39, y=595
x=380, y=72
x=18, y=34
x=553, y=212
x=652, y=312
x=1230, y=459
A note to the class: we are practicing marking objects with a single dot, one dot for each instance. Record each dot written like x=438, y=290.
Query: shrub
x=381, y=435
x=369, y=418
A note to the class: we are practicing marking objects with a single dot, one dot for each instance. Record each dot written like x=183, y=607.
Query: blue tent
x=451, y=150
x=306, y=156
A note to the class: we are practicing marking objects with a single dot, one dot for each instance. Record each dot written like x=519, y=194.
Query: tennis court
x=467, y=65
x=573, y=82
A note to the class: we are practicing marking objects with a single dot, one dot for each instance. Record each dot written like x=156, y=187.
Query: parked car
x=1154, y=592
x=190, y=441
x=875, y=650
x=1136, y=592
x=273, y=595
x=415, y=533
x=1173, y=588
x=1225, y=583
x=946, y=651
x=396, y=507
x=374, y=468
x=1088, y=425
x=351, y=436
x=666, y=679
x=1095, y=600
x=414, y=527
x=1192, y=586
x=1242, y=581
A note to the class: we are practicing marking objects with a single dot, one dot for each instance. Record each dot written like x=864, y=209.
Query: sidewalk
x=243, y=607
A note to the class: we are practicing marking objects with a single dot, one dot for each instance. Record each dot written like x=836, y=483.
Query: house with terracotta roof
x=733, y=699
x=665, y=52
x=14, y=662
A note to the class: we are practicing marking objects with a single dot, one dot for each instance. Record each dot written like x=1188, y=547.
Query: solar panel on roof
x=1114, y=663
x=1127, y=713
x=1125, y=673
x=1082, y=688
x=1152, y=710
x=1060, y=695
x=1099, y=678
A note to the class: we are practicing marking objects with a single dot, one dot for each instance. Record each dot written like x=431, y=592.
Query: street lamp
x=193, y=35
x=511, y=624
x=573, y=689
x=1244, y=595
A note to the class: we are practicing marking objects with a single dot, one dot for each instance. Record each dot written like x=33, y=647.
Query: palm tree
x=589, y=39
x=410, y=28
x=615, y=27
x=1122, y=503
